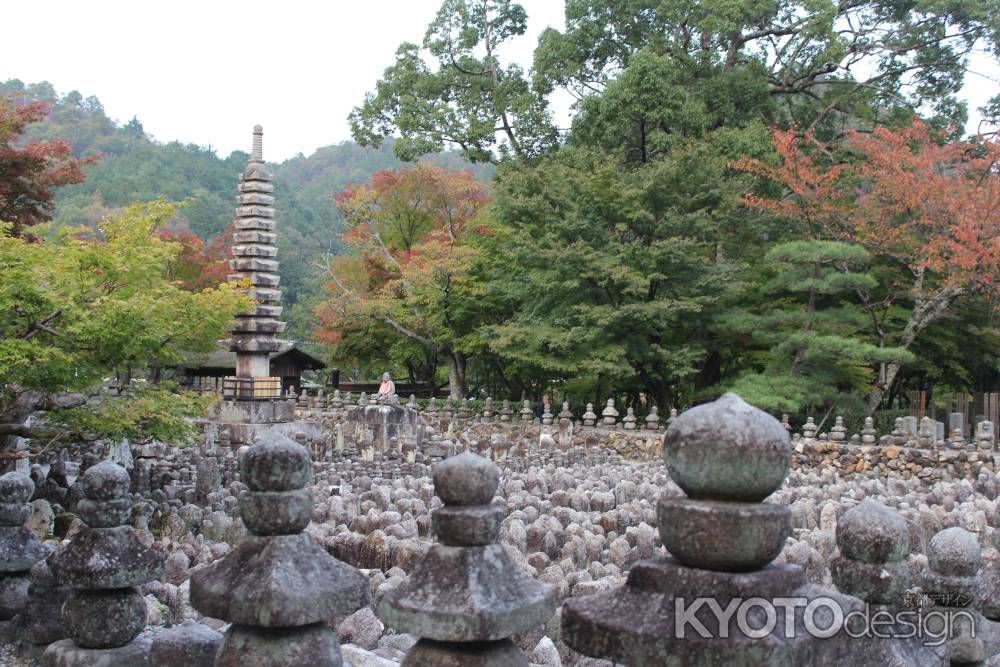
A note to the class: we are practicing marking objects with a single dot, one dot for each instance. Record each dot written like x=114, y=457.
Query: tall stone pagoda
x=253, y=337
x=252, y=404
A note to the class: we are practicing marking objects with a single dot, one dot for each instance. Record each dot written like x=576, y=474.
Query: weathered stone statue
x=386, y=390
x=19, y=548
x=727, y=457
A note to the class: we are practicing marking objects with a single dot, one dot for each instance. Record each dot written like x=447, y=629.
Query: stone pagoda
x=253, y=252
x=252, y=402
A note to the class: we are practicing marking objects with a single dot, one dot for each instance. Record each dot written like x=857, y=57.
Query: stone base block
x=187, y=645
x=657, y=619
x=65, y=653
x=242, y=433
x=503, y=653
x=246, y=646
x=253, y=412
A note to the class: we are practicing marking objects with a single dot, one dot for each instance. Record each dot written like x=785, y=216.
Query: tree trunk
x=456, y=375
x=891, y=370
x=925, y=312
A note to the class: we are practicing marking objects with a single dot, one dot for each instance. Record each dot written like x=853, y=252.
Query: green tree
x=826, y=65
x=471, y=100
x=76, y=309
x=607, y=276
x=411, y=234
x=809, y=344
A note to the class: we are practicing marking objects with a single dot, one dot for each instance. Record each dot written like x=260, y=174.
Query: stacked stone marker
x=467, y=597
x=527, y=414
x=279, y=586
x=253, y=336
x=727, y=457
x=610, y=414
x=652, y=419
x=103, y=565
x=874, y=542
x=953, y=582
x=19, y=548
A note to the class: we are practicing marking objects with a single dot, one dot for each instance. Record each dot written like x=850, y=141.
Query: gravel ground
x=8, y=658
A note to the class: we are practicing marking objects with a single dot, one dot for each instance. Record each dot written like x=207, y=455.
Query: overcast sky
x=205, y=72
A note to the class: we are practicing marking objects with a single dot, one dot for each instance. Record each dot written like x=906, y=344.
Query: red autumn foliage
x=199, y=265
x=29, y=173
x=929, y=206
x=932, y=205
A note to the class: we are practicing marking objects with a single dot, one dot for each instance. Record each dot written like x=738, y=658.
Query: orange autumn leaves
x=407, y=233
x=904, y=194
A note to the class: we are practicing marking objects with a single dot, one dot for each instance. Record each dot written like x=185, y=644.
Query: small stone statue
x=19, y=548
x=839, y=432
x=652, y=419
x=279, y=586
x=386, y=390
x=629, y=419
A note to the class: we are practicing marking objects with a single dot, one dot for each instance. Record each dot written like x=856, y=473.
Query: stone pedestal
x=379, y=426
x=66, y=653
x=246, y=422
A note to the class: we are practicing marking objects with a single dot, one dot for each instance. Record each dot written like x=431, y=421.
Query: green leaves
x=471, y=101
x=145, y=413
x=75, y=308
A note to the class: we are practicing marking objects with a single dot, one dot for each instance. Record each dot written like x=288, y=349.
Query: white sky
x=206, y=72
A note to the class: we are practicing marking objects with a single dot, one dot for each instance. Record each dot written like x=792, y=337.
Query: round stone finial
x=106, y=481
x=954, y=552
x=872, y=533
x=276, y=463
x=466, y=479
x=16, y=488
x=727, y=450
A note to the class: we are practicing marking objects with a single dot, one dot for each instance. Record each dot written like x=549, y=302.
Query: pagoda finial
x=257, y=154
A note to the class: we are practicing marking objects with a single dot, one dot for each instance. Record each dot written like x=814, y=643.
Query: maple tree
x=199, y=265
x=406, y=276
x=30, y=172
x=80, y=305
x=927, y=208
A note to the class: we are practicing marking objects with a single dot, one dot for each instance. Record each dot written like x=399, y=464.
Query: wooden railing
x=251, y=389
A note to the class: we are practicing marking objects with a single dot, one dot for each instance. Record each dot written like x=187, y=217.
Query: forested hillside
x=134, y=167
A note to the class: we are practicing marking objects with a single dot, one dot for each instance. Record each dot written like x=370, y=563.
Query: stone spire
x=257, y=153
x=253, y=336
